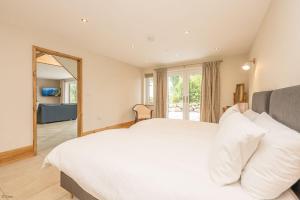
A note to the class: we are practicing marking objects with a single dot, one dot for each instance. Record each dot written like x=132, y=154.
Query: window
x=70, y=92
x=73, y=92
x=149, y=89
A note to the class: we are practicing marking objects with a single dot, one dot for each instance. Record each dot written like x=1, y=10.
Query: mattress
x=155, y=159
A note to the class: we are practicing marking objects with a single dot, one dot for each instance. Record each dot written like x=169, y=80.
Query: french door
x=184, y=94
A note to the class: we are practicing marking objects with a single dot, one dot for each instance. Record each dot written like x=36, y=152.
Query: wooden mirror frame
x=36, y=49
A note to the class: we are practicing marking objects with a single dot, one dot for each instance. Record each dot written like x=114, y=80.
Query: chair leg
x=71, y=196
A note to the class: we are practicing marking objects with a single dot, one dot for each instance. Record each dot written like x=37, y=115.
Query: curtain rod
x=190, y=64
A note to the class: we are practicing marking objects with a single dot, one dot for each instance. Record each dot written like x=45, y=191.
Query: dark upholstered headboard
x=284, y=106
x=261, y=101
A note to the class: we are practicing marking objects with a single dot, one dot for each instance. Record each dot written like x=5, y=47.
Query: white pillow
x=250, y=114
x=235, y=142
x=275, y=166
x=229, y=111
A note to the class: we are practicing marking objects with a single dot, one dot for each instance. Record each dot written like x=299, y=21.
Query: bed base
x=71, y=186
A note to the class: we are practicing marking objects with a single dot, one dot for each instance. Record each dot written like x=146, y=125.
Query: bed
x=159, y=159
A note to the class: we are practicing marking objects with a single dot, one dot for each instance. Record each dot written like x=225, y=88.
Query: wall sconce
x=249, y=64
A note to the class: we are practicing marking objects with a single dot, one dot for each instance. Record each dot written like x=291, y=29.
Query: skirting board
x=116, y=126
x=16, y=154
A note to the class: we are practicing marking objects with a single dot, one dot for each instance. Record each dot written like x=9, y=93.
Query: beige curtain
x=161, y=93
x=210, y=93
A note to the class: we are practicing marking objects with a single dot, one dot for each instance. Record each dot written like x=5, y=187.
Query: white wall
x=277, y=48
x=110, y=88
x=231, y=74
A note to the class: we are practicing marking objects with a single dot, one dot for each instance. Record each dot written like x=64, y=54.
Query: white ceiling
x=115, y=25
x=45, y=71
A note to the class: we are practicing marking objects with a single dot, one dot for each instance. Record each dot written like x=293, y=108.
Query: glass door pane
x=194, y=79
x=175, y=96
x=73, y=92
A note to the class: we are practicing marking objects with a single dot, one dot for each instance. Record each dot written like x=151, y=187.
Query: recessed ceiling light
x=132, y=46
x=186, y=32
x=151, y=38
x=84, y=20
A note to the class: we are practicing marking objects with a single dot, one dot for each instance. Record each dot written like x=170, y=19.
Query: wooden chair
x=142, y=112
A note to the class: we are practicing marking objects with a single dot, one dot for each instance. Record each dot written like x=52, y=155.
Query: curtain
x=150, y=75
x=161, y=93
x=210, y=93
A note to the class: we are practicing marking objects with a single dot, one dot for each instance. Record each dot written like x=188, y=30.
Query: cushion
x=235, y=142
x=228, y=112
x=250, y=114
x=275, y=166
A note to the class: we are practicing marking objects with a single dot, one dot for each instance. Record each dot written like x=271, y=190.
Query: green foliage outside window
x=176, y=89
x=73, y=92
x=195, y=89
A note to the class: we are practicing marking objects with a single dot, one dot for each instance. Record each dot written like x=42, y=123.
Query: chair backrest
x=142, y=112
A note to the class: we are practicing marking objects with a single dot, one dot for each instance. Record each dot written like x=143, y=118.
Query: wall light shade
x=249, y=64
x=246, y=66
x=84, y=20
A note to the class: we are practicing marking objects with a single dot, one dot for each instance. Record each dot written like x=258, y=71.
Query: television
x=51, y=92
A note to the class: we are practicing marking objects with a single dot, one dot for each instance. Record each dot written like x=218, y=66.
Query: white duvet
x=156, y=159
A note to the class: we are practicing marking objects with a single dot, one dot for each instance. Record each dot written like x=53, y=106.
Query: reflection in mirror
x=56, y=88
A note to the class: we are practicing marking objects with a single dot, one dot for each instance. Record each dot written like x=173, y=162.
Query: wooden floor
x=25, y=179
x=53, y=134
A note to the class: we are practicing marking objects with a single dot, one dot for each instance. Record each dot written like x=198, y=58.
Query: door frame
x=36, y=49
x=185, y=74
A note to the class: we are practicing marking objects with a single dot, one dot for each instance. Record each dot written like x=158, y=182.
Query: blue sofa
x=48, y=113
